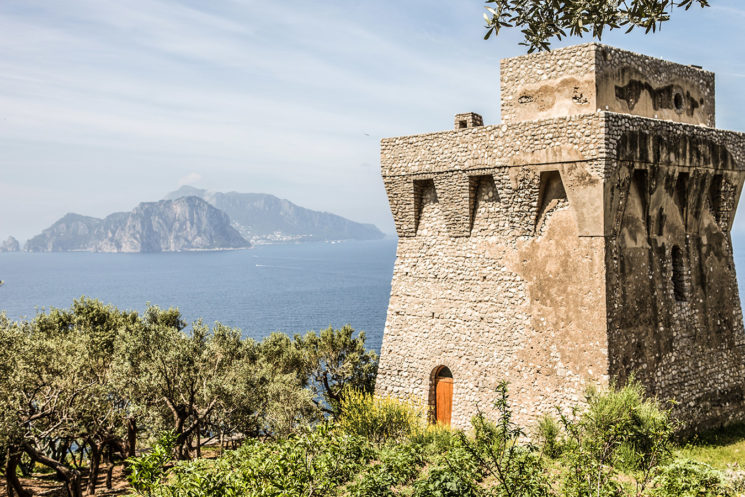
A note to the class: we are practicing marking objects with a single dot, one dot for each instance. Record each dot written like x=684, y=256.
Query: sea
x=286, y=288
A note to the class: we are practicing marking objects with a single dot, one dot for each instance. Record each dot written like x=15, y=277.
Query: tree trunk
x=71, y=476
x=199, y=442
x=182, y=439
x=109, y=476
x=13, y=484
x=72, y=483
x=131, y=438
x=95, y=460
x=108, y=460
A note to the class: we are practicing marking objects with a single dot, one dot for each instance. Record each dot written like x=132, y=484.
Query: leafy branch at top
x=543, y=20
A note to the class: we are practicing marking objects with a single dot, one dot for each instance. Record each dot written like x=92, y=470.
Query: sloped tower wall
x=531, y=251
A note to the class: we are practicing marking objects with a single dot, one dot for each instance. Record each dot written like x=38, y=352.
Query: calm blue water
x=289, y=288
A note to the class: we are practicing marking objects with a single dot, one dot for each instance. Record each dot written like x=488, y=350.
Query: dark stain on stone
x=578, y=97
x=665, y=97
x=638, y=146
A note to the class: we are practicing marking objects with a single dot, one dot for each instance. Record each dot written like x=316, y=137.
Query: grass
x=721, y=448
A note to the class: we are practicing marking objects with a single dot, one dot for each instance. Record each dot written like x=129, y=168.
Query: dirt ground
x=45, y=484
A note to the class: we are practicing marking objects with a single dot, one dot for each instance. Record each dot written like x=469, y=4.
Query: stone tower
x=584, y=239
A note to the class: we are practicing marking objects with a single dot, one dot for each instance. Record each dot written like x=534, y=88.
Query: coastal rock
x=187, y=223
x=10, y=245
x=264, y=218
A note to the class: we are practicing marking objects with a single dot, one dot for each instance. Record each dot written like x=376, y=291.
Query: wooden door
x=443, y=400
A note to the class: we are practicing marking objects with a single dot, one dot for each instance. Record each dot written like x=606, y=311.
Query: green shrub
x=376, y=482
x=147, y=471
x=453, y=470
x=619, y=430
x=379, y=419
x=399, y=464
x=436, y=439
x=500, y=453
x=689, y=479
x=204, y=478
x=317, y=462
x=445, y=481
x=548, y=436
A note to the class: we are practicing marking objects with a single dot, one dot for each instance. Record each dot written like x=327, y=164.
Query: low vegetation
x=207, y=413
x=618, y=444
x=83, y=388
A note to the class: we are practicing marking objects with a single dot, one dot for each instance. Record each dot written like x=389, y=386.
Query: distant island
x=262, y=218
x=10, y=245
x=195, y=219
x=187, y=223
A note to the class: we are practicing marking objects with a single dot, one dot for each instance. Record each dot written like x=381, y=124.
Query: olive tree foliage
x=58, y=394
x=338, y=361
x=80, y=387
x=541, y=21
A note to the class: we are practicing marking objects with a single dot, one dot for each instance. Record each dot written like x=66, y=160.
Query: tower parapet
x=570, y=245
x=590, y=77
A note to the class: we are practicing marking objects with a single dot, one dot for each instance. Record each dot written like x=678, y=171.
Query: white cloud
x=99, y=99
x=190, y=179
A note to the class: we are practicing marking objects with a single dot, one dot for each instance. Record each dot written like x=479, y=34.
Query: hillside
x=264, y=218
x=187, y=223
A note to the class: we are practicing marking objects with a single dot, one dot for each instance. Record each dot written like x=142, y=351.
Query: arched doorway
x=443, y=395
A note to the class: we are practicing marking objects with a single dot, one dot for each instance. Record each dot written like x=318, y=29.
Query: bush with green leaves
x=379, y=419
x=689, y=479
x=452, y=474
x=501, y=453
x=548, y=436
x=444, y=481
x=316, y=462
x=203, y=478
x=617, y=444
x=147, y=470
x=399, y=463
x=619, y=430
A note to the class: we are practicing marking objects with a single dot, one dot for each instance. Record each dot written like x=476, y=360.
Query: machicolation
x=584, y=239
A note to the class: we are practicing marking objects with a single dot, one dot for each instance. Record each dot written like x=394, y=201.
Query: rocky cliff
x=10, y=245
x=264, y=218
x=187, y=223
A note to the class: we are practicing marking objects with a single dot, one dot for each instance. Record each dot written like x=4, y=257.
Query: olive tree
x=338, y=361
x=176, y=376
x=79, y=387
x=543, y=20
x=43, y=397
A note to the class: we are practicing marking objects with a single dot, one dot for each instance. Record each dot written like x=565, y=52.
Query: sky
x=105, y=104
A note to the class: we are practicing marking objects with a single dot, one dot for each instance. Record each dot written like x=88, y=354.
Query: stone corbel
x=453, y=191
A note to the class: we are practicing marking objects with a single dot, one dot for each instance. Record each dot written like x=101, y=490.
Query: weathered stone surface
x=590, y=77
x=558, y=251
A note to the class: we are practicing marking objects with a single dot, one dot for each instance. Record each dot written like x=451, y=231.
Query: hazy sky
x=105, y=103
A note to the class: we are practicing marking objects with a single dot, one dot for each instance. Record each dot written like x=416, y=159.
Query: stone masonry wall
x=490, y=280
x=584, y=78
x=585, y=239
x=496, y=283
x=674, y=315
